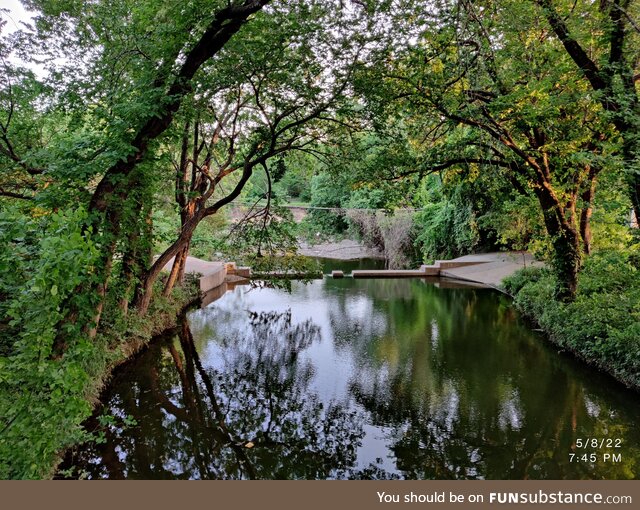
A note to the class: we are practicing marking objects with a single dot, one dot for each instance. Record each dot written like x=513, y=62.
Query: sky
x=17, y=13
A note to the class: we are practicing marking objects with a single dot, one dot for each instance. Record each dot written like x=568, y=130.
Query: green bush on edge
x=602, y=325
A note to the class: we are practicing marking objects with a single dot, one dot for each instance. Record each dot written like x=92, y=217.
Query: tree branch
x=224, y=25
x=575, y=51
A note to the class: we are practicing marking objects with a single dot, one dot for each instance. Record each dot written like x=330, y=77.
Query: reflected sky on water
x=359, y=379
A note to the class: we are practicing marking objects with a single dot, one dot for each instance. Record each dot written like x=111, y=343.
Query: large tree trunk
x=113, y=190
x=128, y=272
x=102, y=296
x=131, y=265
x=183, y=265
x=566, y=243
x=180, y=260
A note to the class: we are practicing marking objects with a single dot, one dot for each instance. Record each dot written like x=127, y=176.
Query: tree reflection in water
x=463, y=390
x=254, y=419
x=436, y=382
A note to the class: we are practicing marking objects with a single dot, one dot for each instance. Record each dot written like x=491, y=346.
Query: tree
x=263, y=101
x=83, y=239
x=503, y=107
x=611, y=72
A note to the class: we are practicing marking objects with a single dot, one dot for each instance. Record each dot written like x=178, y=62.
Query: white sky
x=15, y=17
x=17, y=13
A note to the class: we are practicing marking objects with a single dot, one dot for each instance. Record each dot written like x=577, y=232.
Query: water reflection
x=252, y=418
x=359, y=379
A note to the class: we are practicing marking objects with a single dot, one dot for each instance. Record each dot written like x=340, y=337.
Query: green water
x=347, y=266
x=360, y=379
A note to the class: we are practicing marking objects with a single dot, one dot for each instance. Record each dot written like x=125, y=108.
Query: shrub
x=446, y=229
x=515, y=282
x=602, y=325
x=326, y=191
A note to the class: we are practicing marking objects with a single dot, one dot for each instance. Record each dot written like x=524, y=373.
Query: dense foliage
x=602, y=325
x=430, y=129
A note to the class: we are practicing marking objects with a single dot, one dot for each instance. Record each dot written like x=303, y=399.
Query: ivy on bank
x=45, y=399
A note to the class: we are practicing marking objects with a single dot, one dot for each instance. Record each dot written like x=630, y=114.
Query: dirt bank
x=346, y=249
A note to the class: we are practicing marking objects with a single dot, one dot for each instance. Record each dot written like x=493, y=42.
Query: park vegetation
x=129, y=129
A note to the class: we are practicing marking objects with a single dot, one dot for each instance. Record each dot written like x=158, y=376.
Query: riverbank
x=39, y=434
x=602, y=325
x=347, y=249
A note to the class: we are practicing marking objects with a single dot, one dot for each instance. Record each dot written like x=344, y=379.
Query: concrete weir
x=432, y=270
x=487, y=268
x=216, y=277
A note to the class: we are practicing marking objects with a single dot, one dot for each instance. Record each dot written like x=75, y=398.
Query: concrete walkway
x=194, y=265
x=490, y=268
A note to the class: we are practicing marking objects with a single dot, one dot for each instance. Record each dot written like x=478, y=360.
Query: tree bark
x=177, y=270
x=587, y=209
x=183, y=265
x=143, y=297
x=567, y=258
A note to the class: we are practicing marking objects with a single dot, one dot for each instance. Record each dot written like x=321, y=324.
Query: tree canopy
x=127, y=128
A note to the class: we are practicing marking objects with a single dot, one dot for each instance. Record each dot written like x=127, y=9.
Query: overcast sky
x=17, y=13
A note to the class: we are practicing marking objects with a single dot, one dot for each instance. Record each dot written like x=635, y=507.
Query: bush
x=392, y=233
x=44, y=398
x=447, y=229
x=295, y=186
x=327, y=191
x=514, y=283
x=602, y=325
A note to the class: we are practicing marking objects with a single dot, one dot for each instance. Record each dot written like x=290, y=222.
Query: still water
x=360, y=379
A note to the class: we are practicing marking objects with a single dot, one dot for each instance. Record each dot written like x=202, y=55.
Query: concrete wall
x=213, y=279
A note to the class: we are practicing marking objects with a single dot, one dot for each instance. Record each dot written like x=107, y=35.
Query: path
x=213, y=273
x=194, y=265
x=487, y=269
x=490, y=268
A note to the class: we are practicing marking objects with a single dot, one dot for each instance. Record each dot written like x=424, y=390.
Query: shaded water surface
x=360, y=379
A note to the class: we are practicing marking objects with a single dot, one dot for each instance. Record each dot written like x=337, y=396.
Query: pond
x=398, y=378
